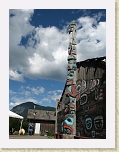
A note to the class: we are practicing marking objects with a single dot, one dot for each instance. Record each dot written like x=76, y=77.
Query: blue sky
x=38, y=50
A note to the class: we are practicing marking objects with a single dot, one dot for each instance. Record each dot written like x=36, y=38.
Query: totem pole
x=69, y=123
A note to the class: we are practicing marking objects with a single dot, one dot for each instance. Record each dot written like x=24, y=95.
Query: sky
x=38, y=50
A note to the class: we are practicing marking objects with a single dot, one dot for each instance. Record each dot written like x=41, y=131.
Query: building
x=42, y=120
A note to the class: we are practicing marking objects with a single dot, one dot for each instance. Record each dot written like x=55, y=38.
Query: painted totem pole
x=69, y=122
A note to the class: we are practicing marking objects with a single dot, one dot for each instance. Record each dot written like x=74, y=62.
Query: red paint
x=66, y=111
x=73, y=91
x=68, y=127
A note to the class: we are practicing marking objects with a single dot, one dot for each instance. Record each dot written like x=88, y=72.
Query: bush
x=25, y=125
x=50, y=134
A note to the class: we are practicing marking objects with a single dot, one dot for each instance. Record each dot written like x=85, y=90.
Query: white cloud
x=46, y=51
x=27, y=93
x=98, y=15
x=32, y=96
x=54, y=94
x=27, y=90
x=92, y=37
x=12, y=92
x=46, y=100
x=41, y=89
x=38, y=90
x=14, y=75
x=54, y=91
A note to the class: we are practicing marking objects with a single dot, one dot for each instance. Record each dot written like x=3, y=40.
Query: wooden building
x=91, y=98
x=90, y=93
x=43, y=121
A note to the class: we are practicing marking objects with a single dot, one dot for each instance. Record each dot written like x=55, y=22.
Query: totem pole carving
x=69, y=119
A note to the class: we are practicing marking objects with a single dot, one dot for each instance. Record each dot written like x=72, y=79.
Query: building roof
x=41, y=115
x=94, y=59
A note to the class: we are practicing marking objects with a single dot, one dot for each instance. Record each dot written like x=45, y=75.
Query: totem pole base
x=82, y=137
x=64, y=136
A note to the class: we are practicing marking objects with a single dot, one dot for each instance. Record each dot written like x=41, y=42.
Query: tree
x=14, y=125
x=25, y=125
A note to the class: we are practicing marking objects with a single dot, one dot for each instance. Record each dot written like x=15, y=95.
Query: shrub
x=50, y=134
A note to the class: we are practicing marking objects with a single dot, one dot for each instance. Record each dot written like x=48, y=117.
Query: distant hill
x=22, y=109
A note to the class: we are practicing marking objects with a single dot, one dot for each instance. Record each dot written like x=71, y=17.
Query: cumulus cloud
x=46, y=59
x=54, y=94
x=44, y=55
x=14, y=75
x=27, y=90
x=91, y=37
x=38, y=90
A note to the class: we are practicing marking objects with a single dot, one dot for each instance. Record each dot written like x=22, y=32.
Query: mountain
x=22, y=109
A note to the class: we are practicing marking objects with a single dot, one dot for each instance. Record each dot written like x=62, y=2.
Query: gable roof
x=41, y=114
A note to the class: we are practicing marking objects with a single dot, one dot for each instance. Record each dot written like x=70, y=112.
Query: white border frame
x=109, y=142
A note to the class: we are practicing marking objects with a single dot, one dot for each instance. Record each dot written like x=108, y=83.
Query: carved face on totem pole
x=67, y=125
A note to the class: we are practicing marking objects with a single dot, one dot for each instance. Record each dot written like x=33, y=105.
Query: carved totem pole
x=69, y=123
